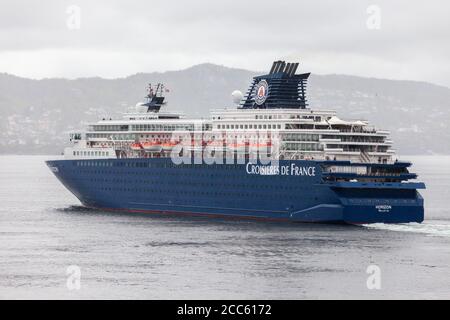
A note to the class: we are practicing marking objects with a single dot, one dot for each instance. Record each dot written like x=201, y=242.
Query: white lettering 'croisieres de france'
x=288, y=170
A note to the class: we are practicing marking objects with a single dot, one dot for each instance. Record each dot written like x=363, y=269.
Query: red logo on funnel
x=262, y=89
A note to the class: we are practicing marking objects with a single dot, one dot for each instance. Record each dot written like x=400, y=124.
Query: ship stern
x=381, y=202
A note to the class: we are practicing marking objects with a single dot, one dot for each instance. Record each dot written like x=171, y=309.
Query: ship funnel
x=288, y=69
x=278, y=66
x=284, y=88
x=274, y=65
x=281, y=66
x=294, y=69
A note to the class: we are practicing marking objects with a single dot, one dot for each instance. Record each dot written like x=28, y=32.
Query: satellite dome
x=237, y=96
x=141, y=107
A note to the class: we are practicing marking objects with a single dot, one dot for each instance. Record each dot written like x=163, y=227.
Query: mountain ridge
x=218, y=66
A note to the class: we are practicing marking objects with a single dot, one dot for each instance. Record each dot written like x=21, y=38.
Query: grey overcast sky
x=394, y=39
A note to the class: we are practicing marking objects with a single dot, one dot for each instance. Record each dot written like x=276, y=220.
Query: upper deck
x=272, y=118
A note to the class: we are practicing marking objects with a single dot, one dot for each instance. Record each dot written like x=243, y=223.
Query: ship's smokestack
x=282, y=66
x=294, y=69
x=274, y=65
x=288, y=69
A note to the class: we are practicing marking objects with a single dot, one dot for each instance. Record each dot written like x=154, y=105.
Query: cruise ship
x=268, y=156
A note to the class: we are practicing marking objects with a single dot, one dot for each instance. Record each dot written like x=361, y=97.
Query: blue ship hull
x=293, y=191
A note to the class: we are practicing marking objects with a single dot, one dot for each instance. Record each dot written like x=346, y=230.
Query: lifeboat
x=136, y=146
x=260, y=145
x=152, y=146
x=237, y=146
x=215, y=144
x=168, y=146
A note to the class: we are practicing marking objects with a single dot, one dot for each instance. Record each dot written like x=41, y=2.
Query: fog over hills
x=35, y=115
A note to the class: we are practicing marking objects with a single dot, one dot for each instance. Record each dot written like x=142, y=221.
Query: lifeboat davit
x=152, y=146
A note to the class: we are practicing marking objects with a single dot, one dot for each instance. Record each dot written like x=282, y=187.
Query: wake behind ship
x=271, y=157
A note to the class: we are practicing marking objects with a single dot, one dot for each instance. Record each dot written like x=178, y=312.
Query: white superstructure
x=300, y=134
x=273, y=118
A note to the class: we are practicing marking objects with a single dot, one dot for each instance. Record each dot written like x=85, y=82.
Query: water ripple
x=432, y=228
